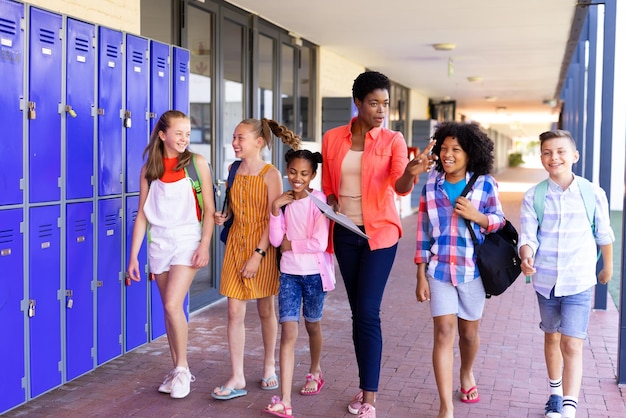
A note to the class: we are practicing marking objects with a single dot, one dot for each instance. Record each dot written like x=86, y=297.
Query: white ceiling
x=516, y=46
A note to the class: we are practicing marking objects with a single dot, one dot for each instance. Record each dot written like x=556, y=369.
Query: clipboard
x=339, y=218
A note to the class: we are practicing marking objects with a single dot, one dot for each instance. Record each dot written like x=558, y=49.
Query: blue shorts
x=467, y=300
x=296, y=291
x=568, y=315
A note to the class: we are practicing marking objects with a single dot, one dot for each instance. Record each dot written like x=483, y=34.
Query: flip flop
x=319, y=385
x=233, y=393
x=269, y=379
x=287, y=411
x=467, y=392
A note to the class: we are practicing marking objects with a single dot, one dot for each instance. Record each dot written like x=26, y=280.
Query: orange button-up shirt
x=385, y=157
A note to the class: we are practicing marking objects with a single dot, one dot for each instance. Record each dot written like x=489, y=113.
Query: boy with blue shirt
x=560, y=254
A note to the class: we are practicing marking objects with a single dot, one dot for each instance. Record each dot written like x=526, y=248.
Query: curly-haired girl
x=249, y=270
x=446, y=262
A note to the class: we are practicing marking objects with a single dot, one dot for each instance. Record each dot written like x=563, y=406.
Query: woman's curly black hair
x=473, y=140
x=314, y=158
x=367, y=82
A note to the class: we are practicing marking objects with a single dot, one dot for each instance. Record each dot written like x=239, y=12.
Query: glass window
x=287, y=86
x=266, y=77
x=306, y=113
x=199, y=43
x=232, y=37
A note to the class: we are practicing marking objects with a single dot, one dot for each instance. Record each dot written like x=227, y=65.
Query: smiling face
x=299, y=175
x=374, y=107
x=245, y=143
x=558, y=155
x=453, y=159
x=176, y=137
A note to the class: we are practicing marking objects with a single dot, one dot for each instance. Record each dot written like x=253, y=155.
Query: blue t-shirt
x=453, y=190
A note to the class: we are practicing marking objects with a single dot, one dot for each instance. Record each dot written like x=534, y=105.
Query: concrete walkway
x=509, y=368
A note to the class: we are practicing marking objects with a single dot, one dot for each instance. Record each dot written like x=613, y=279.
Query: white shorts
x=467, y=300
x=172, y=246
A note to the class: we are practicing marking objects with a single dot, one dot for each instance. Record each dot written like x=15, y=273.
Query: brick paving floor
x=509, y=367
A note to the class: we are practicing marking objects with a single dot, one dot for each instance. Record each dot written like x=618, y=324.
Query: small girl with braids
x=301, y=230
x=250, y=270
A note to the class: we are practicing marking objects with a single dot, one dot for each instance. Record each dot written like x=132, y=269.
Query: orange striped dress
x=248, y=201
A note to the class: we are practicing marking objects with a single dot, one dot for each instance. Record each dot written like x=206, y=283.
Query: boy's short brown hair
x=556, y=133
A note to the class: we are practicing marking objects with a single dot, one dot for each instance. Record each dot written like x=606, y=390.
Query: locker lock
x=71, y=111
x=70, y=299
x=127, y=279
x=32, y=113
x=31, y=308
x=127, y=120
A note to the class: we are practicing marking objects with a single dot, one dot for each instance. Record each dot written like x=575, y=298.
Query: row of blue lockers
x=77, y=104
x=76, y=92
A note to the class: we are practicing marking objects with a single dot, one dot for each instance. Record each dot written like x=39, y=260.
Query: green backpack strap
x=589, y=200
x=539, y=200
x=191, y=171
x=586, y=190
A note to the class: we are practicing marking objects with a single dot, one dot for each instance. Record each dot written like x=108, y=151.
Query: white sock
x=569, y=407
x=556, y=387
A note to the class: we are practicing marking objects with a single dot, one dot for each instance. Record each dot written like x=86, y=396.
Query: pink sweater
x=307, y=229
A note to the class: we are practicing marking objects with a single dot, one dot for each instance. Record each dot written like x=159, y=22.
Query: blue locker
x=44, y=127
x=12, y=76
x=11, y=315
x=136, y=293
x=110, y=71
x=79, y=329
x=109, y=284
x=137, y=73
x=44, y=310
x=159, y=80
x=180, y=81
x=80, y=101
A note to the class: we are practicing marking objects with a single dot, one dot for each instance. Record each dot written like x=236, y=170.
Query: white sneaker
x=166, y=386
x=180, y=386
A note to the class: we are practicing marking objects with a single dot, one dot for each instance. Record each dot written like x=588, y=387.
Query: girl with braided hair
x=250, y=271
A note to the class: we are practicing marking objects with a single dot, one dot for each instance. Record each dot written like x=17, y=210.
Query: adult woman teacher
x=364, y=166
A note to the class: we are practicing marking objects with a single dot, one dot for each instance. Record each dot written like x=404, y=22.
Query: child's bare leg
x=469, y=342
x=314, y=329
x=572, y=350
x=443, y=360
x=269, y=331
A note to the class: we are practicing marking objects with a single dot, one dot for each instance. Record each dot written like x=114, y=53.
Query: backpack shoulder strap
x=464, y=193
x=589, y=200
x=539, y=200
x=233, y=172
x=191, y=170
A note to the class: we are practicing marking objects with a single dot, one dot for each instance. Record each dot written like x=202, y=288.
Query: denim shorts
x=568, y=315
x=467, y=300
x=295, y=291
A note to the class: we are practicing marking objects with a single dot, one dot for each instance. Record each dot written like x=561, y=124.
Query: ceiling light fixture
x=491, y=98
x=474, y=79
x=446, y=46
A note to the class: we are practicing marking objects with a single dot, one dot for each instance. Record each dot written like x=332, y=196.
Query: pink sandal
x=287, y=411
x=319, y=384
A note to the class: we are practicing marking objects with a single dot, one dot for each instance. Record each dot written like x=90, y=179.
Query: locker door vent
x=112, y=51
x=7, y=236
x=137, y=57
x=182, y=67
x=80, y=225
x=161, y=62
x=133, y=215
x=8, y=26
x=45, y=230
x=111, y=220
x=82, y=44
x=46, y=36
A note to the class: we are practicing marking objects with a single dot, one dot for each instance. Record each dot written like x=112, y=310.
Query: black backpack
x=496, y=258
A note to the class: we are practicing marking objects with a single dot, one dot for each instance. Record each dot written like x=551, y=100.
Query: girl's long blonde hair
x=154, y=168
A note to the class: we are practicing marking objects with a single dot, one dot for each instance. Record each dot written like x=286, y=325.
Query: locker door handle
x=100, y=111
x=99, y=283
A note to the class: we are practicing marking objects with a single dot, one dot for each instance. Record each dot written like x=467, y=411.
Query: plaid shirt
x=443, y=240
